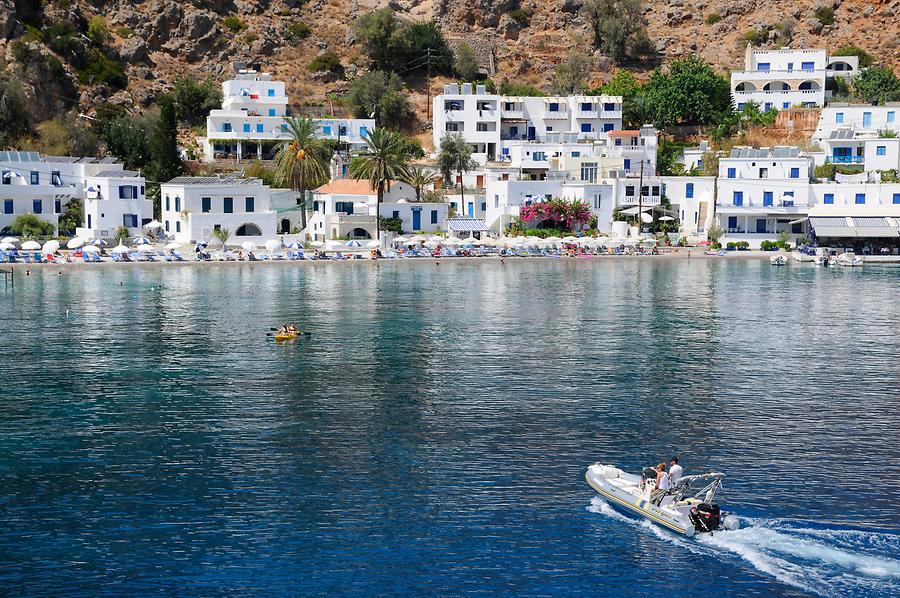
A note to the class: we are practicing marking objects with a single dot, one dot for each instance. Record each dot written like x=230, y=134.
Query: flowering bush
x=558, y=213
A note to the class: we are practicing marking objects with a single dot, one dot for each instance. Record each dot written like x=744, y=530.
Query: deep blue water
x=432, y=435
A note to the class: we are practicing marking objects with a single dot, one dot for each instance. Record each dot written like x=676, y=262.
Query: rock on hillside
x=157, y=40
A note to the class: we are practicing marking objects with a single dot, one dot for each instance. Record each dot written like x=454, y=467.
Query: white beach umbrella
x=570, y=239
x=453, y=241
x=273, y=245
x=153, y=224
x=141, y=240
x=6, y=245
x=31, y=245
x=173, y=245
x=334, y=244
x=120, y=249
x=666, y=218
x=354, y=243
x=554, y=239
x=75, y=243
x=401, y=239
x=437, y=238
x=146, y=249
x=432, y=244
x=487, y=242
x=295, y=245
x=373, y=244
x=9, y=240
x=90, y=249
x=418, y=238
x=317, y=243
x=100, y=243
x=248, y=246
x=51, y=246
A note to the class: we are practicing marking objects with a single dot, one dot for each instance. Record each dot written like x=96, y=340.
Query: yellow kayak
x=286, y=337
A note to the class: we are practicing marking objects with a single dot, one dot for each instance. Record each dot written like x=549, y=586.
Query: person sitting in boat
x=282, y=330
x=675, y=471
x=663, y=482
x=292, y=329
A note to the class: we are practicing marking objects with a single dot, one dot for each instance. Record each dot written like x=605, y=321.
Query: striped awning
x=832, y=226
x=874, y=226
x=856, y=226
x=467, y=225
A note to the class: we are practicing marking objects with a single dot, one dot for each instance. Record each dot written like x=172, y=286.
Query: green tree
x=222, y=235
x=165, y=161
x=195, y=98
x=877, y=85
x=29, y=225
x=72, y=217
x=570, y=76
x=97, y=30
x=381, y=96
x=384, y=159
x=419, y=178
x=466, y=62
x=455, y=156
x=865, y=59
x=375, y=33
x=327, y=62
x=690, y=93
x=121, y=234
x=618, y=25
x=302, y=162
x=394, y=45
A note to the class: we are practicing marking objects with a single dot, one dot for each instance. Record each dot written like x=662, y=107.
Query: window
x=732, y=222
x=259, y=128
x=549, y=129
x=589, y=172
x=55, y=178
x=867, y=119
x=741, y=106
x=763, y=66
x=607, y=127
x=177, y=204
x=890, y=116
x=484, y=127
x=451, y=127
x=732, y=173
x=795, y=173
x=829, y=198
x=271, y=93
x=586, y=106
x=738, y=198
x=205, y=204
x=343, y=207
x=655, y=191
x=130, y=220
x=57, y=206
x=483, y=206
x=363, y=131
x=395, y=214
x=434, y=216
x=586, y=127
x=629, y=191
x=763, y=173
x=790, y=66
x=767, y=107
x=609, y=107
x=167, y=203
x=35, y=178
x=896, y=199
x=860, y=198
x=127, y=192
x=554, y=107
x=272, y=112
x=785, y=105
x=37, y=206
x=618, y=142
x=688, y=192
x=226, y=127
x=808, y=66
x=167, y=226
x=246, y=127
x=576, y=154
x=248, y=204
x=626, y=164
x=539, y=157
x=645, y=190
x=142, y=190
x=326, y=129
x=839, y=118
x=881, y=150
x=178, y=226
x=284, y=127
x=228, y=205
x=768, y=198
x=8, y=206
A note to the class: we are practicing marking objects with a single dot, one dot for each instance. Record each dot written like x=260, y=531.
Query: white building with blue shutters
x=114, y=198
x=250, y=125
x=858, y=118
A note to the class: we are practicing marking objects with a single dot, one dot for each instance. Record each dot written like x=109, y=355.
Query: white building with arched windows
x=193, y=207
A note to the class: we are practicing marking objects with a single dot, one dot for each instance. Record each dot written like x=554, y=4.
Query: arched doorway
x=360, y=233
x=284, y=227
x=809, y=85
x=745, y=86
x=248, y=230
x=777, y=86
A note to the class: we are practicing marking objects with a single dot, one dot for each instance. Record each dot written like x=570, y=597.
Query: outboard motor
x=706, y=517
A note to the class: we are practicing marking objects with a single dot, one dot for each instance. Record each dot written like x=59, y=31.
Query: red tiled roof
x=624, y=133
x=347, y=187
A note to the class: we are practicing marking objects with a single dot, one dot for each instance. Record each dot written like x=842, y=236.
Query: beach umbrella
x=273, y=245
x=333, y=244
x=6, y=245
x=153, y=224
x=173, y=245
x=666, y=218
x=401, y=239
x=248, y=245
x=100, y=243
x=9, y=240
x=141, y=240
x=31, y=245
x=295, y=245
x=317, y=243
x=373, y=244
x=146, y=248
x=453, y=241
x=432, y=244
x=200, y=246
x=570, y=239
x=74, y=243
x=354, y=243
x=90, y=249
x=51, y=246
x=436, y=238
x=418, y=238
x=120, y=249
x=487, y=242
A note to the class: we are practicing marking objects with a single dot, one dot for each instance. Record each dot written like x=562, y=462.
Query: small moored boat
x=778, y=260
x=849, y=259
x=687, y=507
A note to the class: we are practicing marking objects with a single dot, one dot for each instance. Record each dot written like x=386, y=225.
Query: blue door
x=768, y=198
x=531, y=133
x=471, y=209
x=760, y=225
x=417, y=219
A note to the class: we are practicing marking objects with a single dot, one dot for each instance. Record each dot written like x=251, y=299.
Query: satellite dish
x=646, y=218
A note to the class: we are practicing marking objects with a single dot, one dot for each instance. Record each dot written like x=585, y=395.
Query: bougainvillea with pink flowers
x=557, y=213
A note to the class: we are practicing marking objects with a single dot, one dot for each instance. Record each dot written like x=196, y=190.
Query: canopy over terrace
x=867, y=234
x=465, y=227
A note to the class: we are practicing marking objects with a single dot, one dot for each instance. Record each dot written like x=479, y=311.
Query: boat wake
x=823, y=561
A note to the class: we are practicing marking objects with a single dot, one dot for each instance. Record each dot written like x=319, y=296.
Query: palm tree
x=302, y=162
x=121, y=234
x=418, y=178
x=222, y=234
x=383, y=160
x=455, y=155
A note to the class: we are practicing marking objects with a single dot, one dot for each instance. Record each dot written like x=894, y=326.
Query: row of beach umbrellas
x=510, y=242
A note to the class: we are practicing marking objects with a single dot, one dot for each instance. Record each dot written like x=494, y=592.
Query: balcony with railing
x=845, y=159
x=512, y=113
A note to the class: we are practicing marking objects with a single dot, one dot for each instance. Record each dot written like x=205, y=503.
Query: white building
x=637, y=148
x=857, y=117
x=786, y=77
x=251, y=122
x=692, y=199
x=348, y=209
x=762, y=193
x=862, y=215
x=43, y=186
x=488, y=121
x=193, y=207
x=871, y=150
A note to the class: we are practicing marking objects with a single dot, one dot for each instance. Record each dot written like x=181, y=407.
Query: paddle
x=276, y=330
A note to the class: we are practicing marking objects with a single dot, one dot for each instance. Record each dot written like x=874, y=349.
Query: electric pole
x=640, y=199
x=428, y=80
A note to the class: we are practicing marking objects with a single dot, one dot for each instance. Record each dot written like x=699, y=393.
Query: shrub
x=520, y=16
x=234, y=24
x=249, y=38
x=757, y=37
x=713, y=18
x=125, y=32
x=825, y=15
x=97, y=31
x=195, y=98
x=381, y=94
x=297, y=32
x=394, y=225
x=730, y=246
x=99, y=68
x=29, y=225
x=519, y=89
x=877, y=85
x=327, y=62
x=392, y=44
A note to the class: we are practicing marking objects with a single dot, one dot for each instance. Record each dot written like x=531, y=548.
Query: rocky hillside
x=157, y=40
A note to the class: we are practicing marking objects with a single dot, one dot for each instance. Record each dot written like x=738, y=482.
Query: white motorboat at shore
x=778, y=260
x=687, y=507
x=804, y=253
x=850, y=260
x=825, y=256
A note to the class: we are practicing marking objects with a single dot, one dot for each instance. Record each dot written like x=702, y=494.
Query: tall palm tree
x=383, y=160
x=418, y=178
x=222, y=234
x=455, y=155
x=302, y=162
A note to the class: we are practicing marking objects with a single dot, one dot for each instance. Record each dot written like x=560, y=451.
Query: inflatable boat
x=687, y=507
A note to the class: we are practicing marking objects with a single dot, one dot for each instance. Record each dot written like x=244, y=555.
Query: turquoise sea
x=431, y=436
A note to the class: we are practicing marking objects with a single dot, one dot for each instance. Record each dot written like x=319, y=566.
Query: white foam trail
x=820, y=561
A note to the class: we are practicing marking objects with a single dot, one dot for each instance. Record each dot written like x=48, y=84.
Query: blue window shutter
x=395, y=214
x=37, y=206
x=860, y=198
x=795, y=173
x=134, y=194
x=434, y=216
x=260, y=128
x=829, y=198
x=896, y=198
x=249, y=204
x=688, y=192
x=732, y=222
x=768, y=198
x=607, y=127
